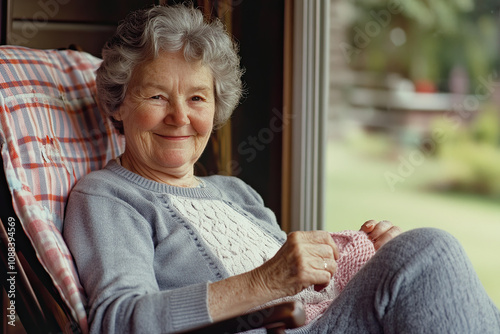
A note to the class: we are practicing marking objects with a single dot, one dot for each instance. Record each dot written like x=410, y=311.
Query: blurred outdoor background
x=414, y=121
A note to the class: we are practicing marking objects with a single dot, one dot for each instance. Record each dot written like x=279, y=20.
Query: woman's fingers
x=380, y=228
x=324, y=253
x=327, y=247
x=328, y=266
x=306, y=258
x=380, y=232
x=317, y=250
x=326, y=269
x=368, y=226
x=387, y=236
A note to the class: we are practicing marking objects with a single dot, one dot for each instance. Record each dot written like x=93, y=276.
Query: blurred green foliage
x=470, y=153
x=439, y=35
x=425, y=41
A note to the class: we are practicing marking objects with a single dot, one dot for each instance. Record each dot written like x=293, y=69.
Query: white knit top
x=240, y=244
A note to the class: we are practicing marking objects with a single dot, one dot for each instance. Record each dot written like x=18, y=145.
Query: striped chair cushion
x=51, y=134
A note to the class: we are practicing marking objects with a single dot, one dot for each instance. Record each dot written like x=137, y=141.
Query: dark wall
x=257, y=122
x=3, y=22
x=47, y=24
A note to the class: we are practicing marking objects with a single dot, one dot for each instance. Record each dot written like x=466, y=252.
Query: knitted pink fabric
x=355, y=250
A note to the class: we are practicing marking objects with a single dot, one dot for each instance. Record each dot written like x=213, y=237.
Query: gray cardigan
x=143, y=267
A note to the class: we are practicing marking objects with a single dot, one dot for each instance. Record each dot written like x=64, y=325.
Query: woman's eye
x=196, y=98
x=156, y=97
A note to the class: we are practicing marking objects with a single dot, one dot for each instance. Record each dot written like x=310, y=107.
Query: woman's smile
x=174, y=138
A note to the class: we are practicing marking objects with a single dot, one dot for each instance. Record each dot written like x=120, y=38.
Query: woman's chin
x=173, y=162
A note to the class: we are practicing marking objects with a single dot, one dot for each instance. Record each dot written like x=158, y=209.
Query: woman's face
x=167, y=116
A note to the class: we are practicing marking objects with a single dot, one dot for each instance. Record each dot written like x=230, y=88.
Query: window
x=414, y=121
x=308, y=99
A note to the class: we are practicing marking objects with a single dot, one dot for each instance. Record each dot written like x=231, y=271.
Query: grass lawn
x=357, y=190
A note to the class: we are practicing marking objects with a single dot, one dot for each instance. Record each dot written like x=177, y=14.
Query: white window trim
x=309, y=110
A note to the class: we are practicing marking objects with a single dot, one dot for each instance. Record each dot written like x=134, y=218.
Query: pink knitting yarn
x=355, y=250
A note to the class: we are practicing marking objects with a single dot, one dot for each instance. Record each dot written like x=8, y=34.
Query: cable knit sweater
x=146, y=251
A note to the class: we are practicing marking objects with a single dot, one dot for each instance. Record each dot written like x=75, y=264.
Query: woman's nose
x=177, y=115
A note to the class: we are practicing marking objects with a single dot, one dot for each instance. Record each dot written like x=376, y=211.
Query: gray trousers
x=420, y=282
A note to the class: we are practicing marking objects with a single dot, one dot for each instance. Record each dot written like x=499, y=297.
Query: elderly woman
x=160, y=250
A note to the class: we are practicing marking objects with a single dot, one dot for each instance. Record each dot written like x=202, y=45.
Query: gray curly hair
x=144, y=33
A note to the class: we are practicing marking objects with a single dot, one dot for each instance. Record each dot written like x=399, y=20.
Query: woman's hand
x=306, y=258
x=380, y=232
x=297, y=265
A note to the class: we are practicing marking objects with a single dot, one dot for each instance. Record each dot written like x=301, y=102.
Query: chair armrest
x=274, y=318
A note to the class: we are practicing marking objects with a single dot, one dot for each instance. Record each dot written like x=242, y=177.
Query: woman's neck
x=187, y=180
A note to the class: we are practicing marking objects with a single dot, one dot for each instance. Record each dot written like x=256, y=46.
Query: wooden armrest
x=274, y=318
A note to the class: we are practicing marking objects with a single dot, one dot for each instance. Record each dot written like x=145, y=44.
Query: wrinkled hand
x=380, y=232
x=298, y=264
